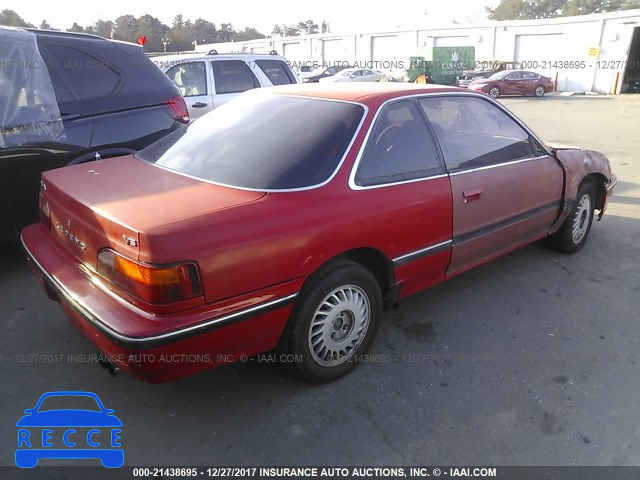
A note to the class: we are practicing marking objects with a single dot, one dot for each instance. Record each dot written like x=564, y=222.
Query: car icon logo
x=69, y=425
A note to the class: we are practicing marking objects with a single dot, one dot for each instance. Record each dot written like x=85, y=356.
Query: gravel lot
x=530, y=360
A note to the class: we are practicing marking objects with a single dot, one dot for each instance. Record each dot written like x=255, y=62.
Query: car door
x=230, y=78
x=512, y=84
x=529, y=82
x=400, y=180
x=506, y=187
x=193, y=82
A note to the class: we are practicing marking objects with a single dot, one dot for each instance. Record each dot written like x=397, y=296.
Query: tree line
x=183, y=34
x=529, y=9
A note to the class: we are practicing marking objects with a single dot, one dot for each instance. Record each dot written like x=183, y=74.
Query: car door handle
x=199, y=105
x=471, y=195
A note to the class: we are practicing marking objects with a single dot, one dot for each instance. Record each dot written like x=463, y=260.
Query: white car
x=355, y=75
x=208, y=80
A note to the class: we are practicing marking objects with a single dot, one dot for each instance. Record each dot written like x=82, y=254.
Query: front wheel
x=539, y=91
x=334, y=323
x=494, y=92
x=574, y=231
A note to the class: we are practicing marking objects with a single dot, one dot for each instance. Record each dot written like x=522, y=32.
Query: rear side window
x=400, y=148
x=89, y=77
x=191, y=78
x=257, y=141
x=473, y=132
x=277, y=71
x=233, y=76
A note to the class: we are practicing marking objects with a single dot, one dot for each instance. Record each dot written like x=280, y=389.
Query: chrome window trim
x=365, y=113
x=497, y=165
x=94, y=320
x=382, y=185
x=407, y=257
x=354, y=168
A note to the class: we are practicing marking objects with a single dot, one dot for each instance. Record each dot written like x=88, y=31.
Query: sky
x=342, y=15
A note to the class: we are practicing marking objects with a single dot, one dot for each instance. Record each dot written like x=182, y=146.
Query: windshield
x=262, y=142
x=69, y=402
x=500, y=75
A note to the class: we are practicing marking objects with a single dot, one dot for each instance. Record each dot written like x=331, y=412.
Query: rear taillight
x=154, y=284
x=43, y=207
x=177, y=108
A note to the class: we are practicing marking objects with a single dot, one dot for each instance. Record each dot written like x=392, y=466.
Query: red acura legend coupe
x=289, y=218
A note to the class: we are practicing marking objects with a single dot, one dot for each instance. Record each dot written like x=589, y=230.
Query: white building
x=604, y=48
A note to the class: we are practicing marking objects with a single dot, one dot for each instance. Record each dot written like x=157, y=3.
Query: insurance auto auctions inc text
x=376, y=472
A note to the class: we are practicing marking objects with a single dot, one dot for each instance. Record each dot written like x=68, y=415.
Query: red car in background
x=250, y=230
x=513, y=82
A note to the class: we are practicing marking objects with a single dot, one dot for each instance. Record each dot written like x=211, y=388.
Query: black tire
x=338, y=279
x=539, y=91
x=494, y=92
x=581, y=217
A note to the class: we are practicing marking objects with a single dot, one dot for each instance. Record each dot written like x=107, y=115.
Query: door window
x=472, y=132
x=400, y=148
x=191, y=78
x=233, y=76
x=514, y=76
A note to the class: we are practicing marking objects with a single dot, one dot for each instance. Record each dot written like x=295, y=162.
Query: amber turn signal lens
x=150, y=283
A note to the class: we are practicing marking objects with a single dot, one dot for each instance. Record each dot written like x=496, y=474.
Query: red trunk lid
x=111, y=203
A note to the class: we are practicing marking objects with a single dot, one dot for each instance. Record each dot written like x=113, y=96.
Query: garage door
x=334, y=51
x=384, y=49
x=537, y=47
x=460, y=41
x=293, y=52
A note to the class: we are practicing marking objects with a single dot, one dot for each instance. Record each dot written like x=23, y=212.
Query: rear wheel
x=539, y=91
x=334, y=323
x=494, y=92
x=574, y=231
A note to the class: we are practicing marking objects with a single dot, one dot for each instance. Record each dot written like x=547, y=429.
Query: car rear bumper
x=149, y=347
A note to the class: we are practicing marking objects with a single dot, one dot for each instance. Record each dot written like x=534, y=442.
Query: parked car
x=518, y=82
x=303, y=69
x=66, y=98
x=354, y=75
x=207, y=81
x=488, y=69
x=322, y=72
x=267, y=233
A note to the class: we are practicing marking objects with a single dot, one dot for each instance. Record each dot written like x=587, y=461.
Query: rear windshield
x=262, y=141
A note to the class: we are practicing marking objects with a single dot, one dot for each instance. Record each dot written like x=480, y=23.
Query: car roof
x=371, y=91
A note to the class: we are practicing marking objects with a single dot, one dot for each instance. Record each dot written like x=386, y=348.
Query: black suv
x=68, y=98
